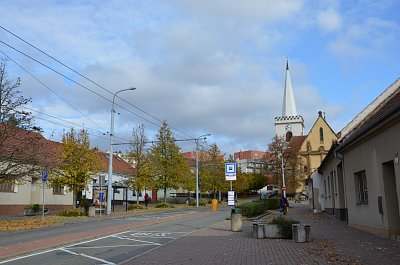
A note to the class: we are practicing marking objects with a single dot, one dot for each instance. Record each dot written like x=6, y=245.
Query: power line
x=75, y=82
x=37, y=79
x=88, y=79
x=66, y=121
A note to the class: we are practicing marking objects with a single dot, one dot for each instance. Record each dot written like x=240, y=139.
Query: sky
x=207, y=67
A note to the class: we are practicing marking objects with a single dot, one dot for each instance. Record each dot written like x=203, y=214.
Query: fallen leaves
x=26, y=223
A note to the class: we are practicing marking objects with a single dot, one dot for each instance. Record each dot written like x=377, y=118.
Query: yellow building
x=311, y=149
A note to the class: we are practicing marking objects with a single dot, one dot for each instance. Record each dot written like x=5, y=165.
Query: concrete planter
x=272, y=231
x=29, y=212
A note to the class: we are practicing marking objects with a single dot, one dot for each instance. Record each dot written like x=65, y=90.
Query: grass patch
x=135, y=207
x=164, y=205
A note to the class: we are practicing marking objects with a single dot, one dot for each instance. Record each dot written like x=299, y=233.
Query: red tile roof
x=296, y=142
x=32, y=148
x=28, y=147
x=120, y=166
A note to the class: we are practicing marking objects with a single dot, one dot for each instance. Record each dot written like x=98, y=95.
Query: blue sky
x=206, y=66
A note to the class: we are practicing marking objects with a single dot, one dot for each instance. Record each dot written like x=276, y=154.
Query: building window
x=58, y=190
x=7, y=186
x=360, y=180
x=321, y=135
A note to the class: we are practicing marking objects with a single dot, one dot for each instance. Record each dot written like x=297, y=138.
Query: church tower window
x=289, y=136
x=321, y=135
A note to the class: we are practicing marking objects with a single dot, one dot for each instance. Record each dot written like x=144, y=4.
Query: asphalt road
x=112, y=248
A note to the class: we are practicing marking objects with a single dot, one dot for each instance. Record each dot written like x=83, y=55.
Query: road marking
x=27, y=256
x=114, y=246
x=87, y=256
x=125, y=238
x=147, y=234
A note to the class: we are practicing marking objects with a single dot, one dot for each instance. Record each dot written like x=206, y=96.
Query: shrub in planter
x=35, y=207
x=284, y=225
x=164, y=205
x=72, y=213
x=135, y=206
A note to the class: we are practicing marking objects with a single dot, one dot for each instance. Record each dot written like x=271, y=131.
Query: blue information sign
x=44, y=175
x=101, y=196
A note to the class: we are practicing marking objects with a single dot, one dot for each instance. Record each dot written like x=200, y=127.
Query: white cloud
x=365, y=39
x=329, y=20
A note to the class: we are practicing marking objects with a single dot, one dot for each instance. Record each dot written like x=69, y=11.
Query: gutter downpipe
x=339, y=156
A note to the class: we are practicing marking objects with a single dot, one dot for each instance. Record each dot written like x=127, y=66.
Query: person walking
x=146, y=199
x=284, y=204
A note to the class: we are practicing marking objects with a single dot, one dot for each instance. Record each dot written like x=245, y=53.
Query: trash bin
x=301, y=233
x=236, y=219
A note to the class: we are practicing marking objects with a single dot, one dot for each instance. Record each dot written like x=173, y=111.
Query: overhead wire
x=90, y=80
x=75, y=82
x=72, y=123
x=51, y=90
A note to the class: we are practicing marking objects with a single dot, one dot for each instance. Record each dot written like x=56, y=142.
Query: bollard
x=236, y=220
x=301, y=233
x=260, y=231
x=214, y=205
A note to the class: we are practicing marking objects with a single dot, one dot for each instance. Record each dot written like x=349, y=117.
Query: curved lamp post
x=201, y=137
x=110, y=167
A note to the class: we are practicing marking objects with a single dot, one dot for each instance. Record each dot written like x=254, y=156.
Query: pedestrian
x=146, y=199
x=284, y=204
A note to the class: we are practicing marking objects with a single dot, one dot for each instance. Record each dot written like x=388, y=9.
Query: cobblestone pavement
x=333, y=242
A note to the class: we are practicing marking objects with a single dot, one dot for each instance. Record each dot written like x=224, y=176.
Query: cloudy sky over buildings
x=206, y=66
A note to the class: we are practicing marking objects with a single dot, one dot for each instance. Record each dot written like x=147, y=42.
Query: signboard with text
x=230, y=171
x=231, y=198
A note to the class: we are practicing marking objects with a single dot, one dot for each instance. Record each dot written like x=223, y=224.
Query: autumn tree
x=168, y=166
x=280, y=149
x=212, y=177
x=79, y=163
x=141, y=177
x=20, y=147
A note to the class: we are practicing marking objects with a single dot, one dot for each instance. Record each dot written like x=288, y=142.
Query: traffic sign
x=44, y=175
x=230, y=171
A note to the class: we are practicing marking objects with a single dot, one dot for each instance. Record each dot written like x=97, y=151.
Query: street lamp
x=110, y=167
x=283, y=176
x=201, y=137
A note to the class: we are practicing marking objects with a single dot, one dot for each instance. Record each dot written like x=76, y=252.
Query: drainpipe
x=340, y=156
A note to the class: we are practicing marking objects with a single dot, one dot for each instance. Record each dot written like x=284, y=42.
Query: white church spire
x=289, y=106
x=290, y=123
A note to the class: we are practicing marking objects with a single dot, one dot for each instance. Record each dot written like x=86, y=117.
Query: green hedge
x=72, y=213
x=251, y=209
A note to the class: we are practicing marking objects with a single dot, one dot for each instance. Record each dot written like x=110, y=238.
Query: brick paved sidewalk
x=332, y=243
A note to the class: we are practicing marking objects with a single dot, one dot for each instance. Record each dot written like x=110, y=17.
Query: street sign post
x=44, y=180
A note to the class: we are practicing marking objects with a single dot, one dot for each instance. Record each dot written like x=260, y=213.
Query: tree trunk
x=74, y=195
x=165, y=195
x=137, y=196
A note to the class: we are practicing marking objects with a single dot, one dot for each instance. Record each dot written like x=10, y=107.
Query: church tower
x=290, y=123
